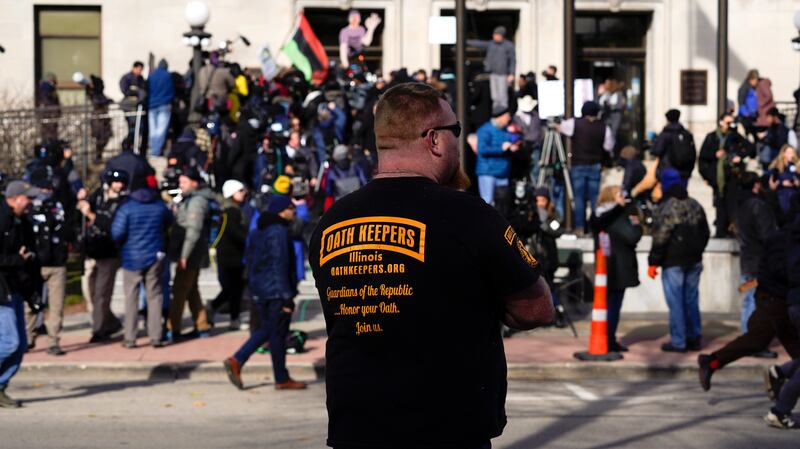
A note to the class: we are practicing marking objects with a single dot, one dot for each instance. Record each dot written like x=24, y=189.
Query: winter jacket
x=12, y=266
x=217, y=81
x=680, y=230
x=624, y=234
x=777, y=271
x=139, y=227
x=734, y=145
x=663, y=147
x=98, y=242
x=635, y=171
x=270, y=265
x=501, y=58
x=159, y=88
x=134, y=88
x=793, y=261
x=492, y=159
x=754, y=223
x=326, y=134
x=230, y=249
x=765, y=101
x=189, y=235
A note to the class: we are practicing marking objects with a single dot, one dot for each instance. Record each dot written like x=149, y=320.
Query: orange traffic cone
x=598, y=339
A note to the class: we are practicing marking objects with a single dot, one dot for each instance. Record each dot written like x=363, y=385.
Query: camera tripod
x=553, y=158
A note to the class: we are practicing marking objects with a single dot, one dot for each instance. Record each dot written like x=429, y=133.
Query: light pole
x=196, y=15
x=796, y=41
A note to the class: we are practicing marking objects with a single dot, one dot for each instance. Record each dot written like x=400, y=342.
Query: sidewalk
x=544, y=354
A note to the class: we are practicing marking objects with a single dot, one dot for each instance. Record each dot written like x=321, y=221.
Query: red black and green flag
x=306, y=51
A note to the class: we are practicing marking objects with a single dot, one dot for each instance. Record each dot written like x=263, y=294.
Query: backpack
x=216, y=219
x=683, y=153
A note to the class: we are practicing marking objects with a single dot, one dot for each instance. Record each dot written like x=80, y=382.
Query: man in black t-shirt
x=406, y=263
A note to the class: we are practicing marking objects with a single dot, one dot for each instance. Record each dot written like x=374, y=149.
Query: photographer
x=53, y=234
x=103, y=261
x=721, y=159
x=14, y=256
x=493, y=165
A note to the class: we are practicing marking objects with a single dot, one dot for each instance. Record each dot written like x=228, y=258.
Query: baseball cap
x=17, y=188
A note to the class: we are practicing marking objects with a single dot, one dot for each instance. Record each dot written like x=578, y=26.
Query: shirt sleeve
x=505, y=261
x=567, y=127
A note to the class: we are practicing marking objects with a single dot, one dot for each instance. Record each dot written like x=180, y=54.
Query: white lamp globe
x=78, y=78
x=194, y=41
x=797, y=20
x=196, y=13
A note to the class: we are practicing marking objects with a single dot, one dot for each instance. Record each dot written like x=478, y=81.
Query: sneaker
x=157, y=343
x=777, y=420
x=668, y=347
x=291, y=385
x=129, y=344
x=7, y=402
x=203, y=334
x=235, y=325
x=234, y=371
x=55, y=350
x=705, y=370
x=773, y=381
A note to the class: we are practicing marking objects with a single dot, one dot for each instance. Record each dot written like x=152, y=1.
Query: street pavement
x=195, y=414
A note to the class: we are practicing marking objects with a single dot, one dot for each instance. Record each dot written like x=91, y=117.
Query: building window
x=327, y=22
x=67, y=41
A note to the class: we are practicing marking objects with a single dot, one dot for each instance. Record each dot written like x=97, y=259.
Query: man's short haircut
x=139, y=64
x=725, y=114
x=404, y=112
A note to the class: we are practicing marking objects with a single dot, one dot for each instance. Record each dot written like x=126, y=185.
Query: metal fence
x=91, y=132
x=789, y=109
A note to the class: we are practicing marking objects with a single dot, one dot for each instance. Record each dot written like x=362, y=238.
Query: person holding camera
x=102, y=255
x=14, y=256
x=721, y=157
x=494, y=161
x=53, y=234
x=230, y=253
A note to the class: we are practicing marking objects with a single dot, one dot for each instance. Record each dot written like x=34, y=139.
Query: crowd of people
x=247, y=165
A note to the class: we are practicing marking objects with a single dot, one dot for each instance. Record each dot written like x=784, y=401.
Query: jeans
x=486, y=186
x=273, y=327
x=791, y=370
x=558, y=197
x=536, y=154
x=681, y=286
x=748, y=304
x=13, y=341
x=614, y=306
x=586, y=185
x=158, y=121
x=498, y=89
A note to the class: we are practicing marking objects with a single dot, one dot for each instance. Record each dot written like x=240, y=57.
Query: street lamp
x=196, y=15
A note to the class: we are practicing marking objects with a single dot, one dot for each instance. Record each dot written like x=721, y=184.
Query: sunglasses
x=455, y=128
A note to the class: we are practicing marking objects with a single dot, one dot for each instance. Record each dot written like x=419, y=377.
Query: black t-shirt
x=411, y=277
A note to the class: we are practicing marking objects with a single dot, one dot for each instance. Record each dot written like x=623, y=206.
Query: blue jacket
x=159, y=88
x=269, y=257
x=325, y=132
x=492, y=160
x=140, y=227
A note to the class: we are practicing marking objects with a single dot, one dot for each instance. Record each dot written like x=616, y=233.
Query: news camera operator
x=102, y=256
x=52, y=233
x=18, y=280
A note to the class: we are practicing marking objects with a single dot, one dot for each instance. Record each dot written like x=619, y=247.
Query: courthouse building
x=662, y=51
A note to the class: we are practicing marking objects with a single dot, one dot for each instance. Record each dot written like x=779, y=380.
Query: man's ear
x=433, y=144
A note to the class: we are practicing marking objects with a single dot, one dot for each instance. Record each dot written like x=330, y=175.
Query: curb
x=316, y=371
